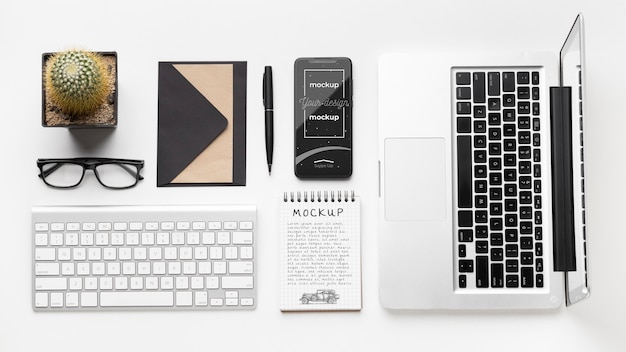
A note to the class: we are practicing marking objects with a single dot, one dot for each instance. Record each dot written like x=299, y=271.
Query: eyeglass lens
x=62, y=175
x=116, y=175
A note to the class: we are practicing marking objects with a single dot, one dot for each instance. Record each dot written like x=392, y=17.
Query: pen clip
x=263, y=88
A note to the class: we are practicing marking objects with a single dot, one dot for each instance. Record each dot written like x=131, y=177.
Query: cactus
x=77, y=81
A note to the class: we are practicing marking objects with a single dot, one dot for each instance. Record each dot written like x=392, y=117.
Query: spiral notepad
x=320, y=236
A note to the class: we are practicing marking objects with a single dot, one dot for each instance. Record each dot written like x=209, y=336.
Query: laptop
x=481, y=201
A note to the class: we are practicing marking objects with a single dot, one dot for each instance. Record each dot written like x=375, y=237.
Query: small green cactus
x=77, y=81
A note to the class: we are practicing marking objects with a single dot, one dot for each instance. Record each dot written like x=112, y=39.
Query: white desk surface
x=275, y=33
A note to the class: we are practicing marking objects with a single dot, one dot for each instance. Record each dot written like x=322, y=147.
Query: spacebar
x=136, y=299
x=464, y=169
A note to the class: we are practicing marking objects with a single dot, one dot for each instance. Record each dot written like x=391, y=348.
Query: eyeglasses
x=111, y=173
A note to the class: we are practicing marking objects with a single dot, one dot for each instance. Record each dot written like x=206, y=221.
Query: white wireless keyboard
x=144, y=257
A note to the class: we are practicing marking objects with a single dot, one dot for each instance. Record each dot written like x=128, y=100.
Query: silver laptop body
x=426, y=219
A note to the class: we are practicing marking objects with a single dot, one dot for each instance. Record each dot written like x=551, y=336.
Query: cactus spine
x=77, y=81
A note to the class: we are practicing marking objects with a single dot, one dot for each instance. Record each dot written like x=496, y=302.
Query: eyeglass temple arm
x=132, y=172
x=49, y=171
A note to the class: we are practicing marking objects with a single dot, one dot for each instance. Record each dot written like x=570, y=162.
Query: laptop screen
x=572, y=80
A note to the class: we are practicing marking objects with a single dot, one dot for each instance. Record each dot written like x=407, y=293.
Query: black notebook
x=202, y=124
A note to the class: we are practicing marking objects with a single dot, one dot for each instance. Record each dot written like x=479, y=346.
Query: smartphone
x=323, y=117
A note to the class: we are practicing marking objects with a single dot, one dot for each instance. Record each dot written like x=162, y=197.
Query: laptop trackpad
x=415, y=179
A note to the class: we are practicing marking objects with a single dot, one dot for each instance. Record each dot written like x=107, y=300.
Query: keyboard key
x=41, y=239
x=527, y=277
x=246, y=267
x=479, y=87
x=497, y=275
x=246, y=302
x=526, y=242
x=508, y=81
x=136, y=299
x=233, y=282
x=246, y=252
x=496, y=239
x=45, y=254
x=466, y=218
x=494, y=104
x=497, y=254
x=523, y=93
x=512, y=281
x=463, y=281
x=41, y=226
x=512, y=266
x=482, y=247
x=242, y=237
x=208, y=238
x=466, y=235
x=463, y=78
x=480, y=126
x=523, y=77
x=495, y=224
x=183, y=225
x=215, y=225
x=464, y=153
x=511, y=250
x=464, y=125
x=539, y=250
x=523, y=108
x=482, y=271
x=535, y=77
x=508, y=100
x=47, y=269
x=41, y=299
x=463, y=108
x=480, y=111
x=184, y=299
x=480, y=217
x=223, y=237
x=480, y=141
x=493, y=79
x=508, y=115
x=466, y=266
x=50, y=284
x=201, y=298
x=463, y=93
x=89, y=299
x=245, y=225
x=526, y=258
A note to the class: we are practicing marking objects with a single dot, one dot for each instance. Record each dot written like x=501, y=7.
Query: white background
x=276, y=33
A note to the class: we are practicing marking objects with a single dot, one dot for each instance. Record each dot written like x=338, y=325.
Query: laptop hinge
x=562, y=179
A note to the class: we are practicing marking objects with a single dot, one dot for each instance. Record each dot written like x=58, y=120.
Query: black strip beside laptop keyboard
x=499, y=189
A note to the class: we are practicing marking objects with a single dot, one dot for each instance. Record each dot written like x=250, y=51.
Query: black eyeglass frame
x=91, y=164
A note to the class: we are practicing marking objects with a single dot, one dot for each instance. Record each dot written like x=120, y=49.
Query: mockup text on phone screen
x=324, y=103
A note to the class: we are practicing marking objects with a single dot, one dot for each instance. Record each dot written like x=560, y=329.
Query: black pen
x=268, y=103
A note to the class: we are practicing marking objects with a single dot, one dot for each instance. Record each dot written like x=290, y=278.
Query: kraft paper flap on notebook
x=201, y=123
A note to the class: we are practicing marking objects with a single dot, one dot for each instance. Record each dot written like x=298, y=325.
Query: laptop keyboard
x=499, y=241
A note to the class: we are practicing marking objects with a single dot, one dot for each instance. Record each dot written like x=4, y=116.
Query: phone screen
x=323, y=117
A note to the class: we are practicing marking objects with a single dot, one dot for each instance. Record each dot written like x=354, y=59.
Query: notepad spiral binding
x=319, y=196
